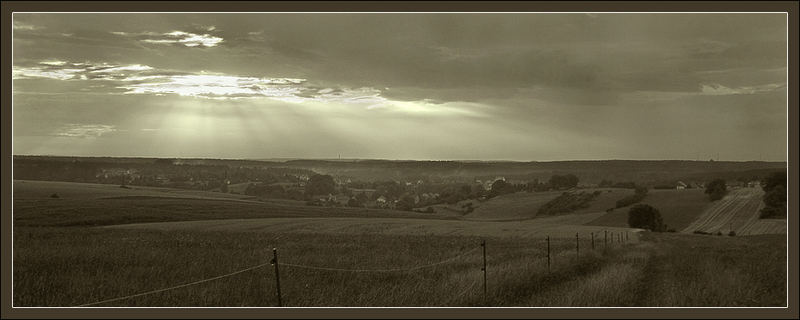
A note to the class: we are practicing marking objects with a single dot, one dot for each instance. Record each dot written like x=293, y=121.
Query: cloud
x=187, y=39
x=717, y=89
x=144, y=79
x=24, y=26
x=63, y=70
x=85, y=130
x=216, y=86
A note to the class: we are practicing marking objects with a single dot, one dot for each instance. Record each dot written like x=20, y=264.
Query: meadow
x=134, y=245
x=678, y=208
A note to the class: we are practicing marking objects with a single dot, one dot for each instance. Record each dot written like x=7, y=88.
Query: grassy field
x=27, y=189
x=678, y=208
x=62, y=258
x=95, y=205
x=555, y=227
x=74, y=266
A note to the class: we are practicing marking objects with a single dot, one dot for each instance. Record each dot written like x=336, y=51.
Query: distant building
x=680, y=185
x=754, y=184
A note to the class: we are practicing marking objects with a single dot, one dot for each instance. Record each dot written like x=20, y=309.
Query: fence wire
x=380, y=270
x=176, y=287
x=280, y=264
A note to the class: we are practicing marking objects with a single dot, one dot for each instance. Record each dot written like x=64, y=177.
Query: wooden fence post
x=577, y=247
x=277, y=276
x=548, y=254
x=592, y=241
x=485, y=290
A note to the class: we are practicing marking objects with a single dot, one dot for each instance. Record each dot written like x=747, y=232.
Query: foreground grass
x=73, y=266
x=697, y=270
x=68, y=266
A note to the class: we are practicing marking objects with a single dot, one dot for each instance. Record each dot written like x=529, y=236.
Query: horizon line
x=383, y=159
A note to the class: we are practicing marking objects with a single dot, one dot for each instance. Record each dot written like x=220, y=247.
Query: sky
x=431, y=86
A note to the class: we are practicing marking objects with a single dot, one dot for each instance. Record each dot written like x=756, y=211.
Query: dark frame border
x=791, y=7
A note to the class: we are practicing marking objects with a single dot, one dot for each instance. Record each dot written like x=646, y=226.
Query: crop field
x=738, y=211
x=103, y=250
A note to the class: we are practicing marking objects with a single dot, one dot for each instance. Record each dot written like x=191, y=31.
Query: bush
x=563, y=182
x=774, y=196
x=645, y=217
x=54, y=196
x=638, y=196
x=732, y=233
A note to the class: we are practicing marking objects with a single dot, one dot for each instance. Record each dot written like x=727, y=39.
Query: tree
x=645, y=217
x=774, y=198
x=320, y=184
x=501, y=187
x=716, y=189
x=774, y=203
x=563, y=182
x=773, y=180
x=406, y=203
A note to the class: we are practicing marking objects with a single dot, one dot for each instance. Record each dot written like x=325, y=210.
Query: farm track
x=738, y=211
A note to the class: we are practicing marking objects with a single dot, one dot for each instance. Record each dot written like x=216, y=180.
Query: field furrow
x=739, y=212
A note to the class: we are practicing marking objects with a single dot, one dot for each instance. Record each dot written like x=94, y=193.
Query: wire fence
x=382, y=270
x=176, y=287
x=275, y=263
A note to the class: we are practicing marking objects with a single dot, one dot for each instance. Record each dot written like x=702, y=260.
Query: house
x=680, y=185
x=754, y=184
